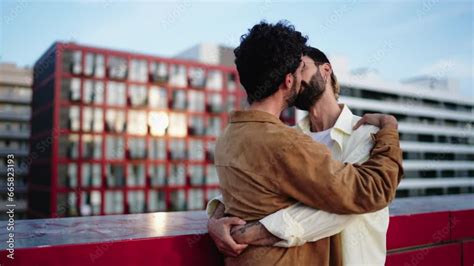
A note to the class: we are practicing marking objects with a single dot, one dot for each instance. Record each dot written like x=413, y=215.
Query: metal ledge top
x=100, y=229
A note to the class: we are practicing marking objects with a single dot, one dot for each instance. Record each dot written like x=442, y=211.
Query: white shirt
x=363, y=235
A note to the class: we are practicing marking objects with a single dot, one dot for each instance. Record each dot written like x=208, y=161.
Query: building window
x=157, y=149
x=137, y=148
x=214, y=126
x=92, y=120
x=91, y=175
x=196, y=125
x=70, y=118
x=196, y=150
x=156, y=201
x=195, y=199
x=115, y=121
x=94, y=65
x=71, y=89
x=197, y=78
x=177, y=175
x=66, y=204
x=117, y=68
x=136, y=175
x=137, y=122
x=72, y=62
x=90, y=203
x=68, y=146
x=115, y=174
x=214, y=80
x=67, y=175
x=177, y=149
x=178, y=200
x=136, y=201
x=159, y=72
x=212, y=178
x=212, y=193
x=158, y=98
x=196, y=174
x=179, y=100
x=115, y=148
x=231, y=102
x=231, y=81
x=177, y=125
x=178, y=76
x=197, y=101
x=116, y=94
x=215, y=103
x=158, y=123
x=93, y=92
x=157, y=175
x=91, y=146
x=138, y=70
x=210, y=148
x=137, y=95
x=113, y=202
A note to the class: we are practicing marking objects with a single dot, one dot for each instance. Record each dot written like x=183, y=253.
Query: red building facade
x=116, y=132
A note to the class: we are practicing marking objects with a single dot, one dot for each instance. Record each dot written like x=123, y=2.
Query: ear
x=288, y=82
x=326, y=68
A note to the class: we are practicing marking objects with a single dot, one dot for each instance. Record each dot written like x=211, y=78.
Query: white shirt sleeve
x=299, y=224
x=212, y=205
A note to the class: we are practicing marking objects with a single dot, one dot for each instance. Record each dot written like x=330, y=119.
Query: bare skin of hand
x=378, y=120
x=219, y=229
x=253, y=233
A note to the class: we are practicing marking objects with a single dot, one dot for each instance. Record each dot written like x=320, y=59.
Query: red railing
x=423, y=231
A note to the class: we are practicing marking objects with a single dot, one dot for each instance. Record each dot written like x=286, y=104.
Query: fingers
x=361, y=122
x=234, y=221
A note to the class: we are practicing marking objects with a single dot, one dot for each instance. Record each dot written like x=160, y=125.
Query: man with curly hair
x=265, y=166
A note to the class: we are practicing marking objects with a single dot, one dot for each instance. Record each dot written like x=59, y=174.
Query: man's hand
x=254, y=234
x=378, y=120
x=219, y=229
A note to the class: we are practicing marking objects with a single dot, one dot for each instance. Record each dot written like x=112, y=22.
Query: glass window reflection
x=137, y=95
x=196, y=174
x=138, y=70
x=197, y=101
x=116, y=93
x=113, y=202
x=156, y=201
x=93, y=92
x=137, y=122
x=117, y=68
x=195, y=199
x=196, y=150
x=92, y=120
x=177, y=125
x=67, y=175
x=159, y=72
x=71, y=89
x=115, y=175
x=178, y=76
x=68, y=147
x=197, y=77
x=157, y=149
x=137, y=148
x=178, y=200
x=179, y=100
x=214, y=80
x=158, y=98
x=114, y=148
x=91, y=175
x=72, y=62
x=136, y=201
x=157, y=174
x=115, y=121
x=136, y=175
x=178, y=149
x=91, y=146
x=177, y=174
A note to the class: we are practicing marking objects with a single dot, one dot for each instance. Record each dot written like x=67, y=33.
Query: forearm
x=253, y=234
x=218, y=212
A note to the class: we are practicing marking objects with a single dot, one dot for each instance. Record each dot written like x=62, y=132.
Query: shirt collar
x=253, y=116
x=343, y=125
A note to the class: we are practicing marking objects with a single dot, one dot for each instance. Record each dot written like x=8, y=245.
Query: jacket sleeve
x=306, y=171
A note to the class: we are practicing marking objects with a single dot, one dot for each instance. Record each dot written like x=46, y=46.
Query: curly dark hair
x=266, y=54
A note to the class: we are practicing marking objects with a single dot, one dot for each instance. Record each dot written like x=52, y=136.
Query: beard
x=310, y=92
x=291, y=99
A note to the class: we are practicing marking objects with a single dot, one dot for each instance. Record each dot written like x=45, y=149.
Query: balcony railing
x=423, y=231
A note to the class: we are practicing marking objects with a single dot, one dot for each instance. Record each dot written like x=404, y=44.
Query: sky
x=399, y=39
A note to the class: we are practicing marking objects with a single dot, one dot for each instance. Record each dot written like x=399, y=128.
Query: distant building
x=436, y=127
x=116, y=132
x=15, y=112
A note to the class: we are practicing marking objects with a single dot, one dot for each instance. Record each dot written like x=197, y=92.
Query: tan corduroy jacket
x=263, y=166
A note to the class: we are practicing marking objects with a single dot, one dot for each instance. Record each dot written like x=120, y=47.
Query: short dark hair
x=266, y=54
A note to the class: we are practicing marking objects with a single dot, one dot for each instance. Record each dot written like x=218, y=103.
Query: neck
x=323, y=115
x=272, y=105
